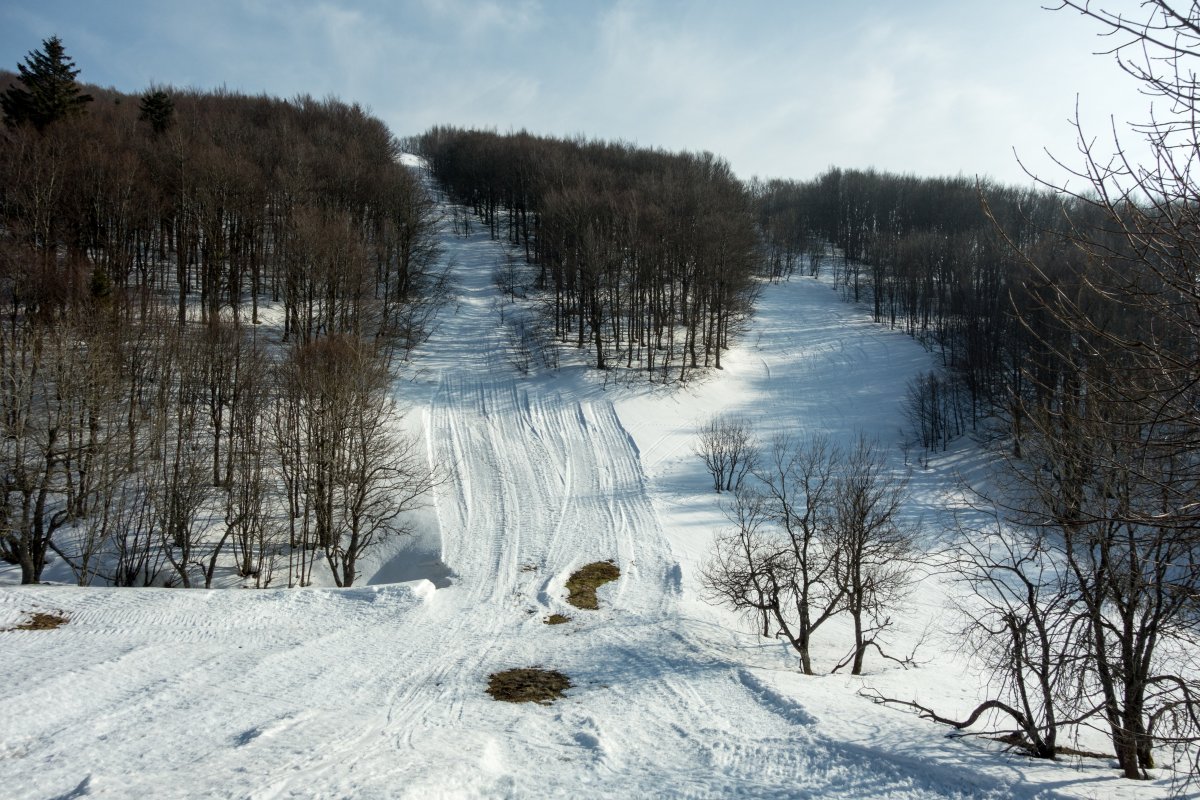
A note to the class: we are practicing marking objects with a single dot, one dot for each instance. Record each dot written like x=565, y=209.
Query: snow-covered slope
x=379, y=691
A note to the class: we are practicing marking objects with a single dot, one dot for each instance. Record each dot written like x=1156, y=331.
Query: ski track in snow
x=378, y=691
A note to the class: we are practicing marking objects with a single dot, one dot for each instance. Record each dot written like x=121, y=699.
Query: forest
x=1066, y=326
x=647, y=258
x=154, y=422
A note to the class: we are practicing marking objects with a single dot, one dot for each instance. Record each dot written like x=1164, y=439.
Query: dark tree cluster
x=221, y=200
x=647, y=258
x=167, y=264
x=942, y=259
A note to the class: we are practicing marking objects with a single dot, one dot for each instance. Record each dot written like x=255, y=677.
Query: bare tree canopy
x=137, y=377
x=815, y=534
x=646, y=258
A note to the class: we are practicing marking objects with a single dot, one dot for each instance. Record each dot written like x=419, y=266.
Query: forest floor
x=381, y=691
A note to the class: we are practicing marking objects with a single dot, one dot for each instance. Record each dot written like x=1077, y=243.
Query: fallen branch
x=928, y=713
x=1026, y=737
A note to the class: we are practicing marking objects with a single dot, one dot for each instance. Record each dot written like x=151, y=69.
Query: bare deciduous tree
x=1109, y=461
x=729, y=450
x=248, y=482
x=875, y=558
x=1021, y=627
x=817, y=535
x=180, y=470
x=348, y=467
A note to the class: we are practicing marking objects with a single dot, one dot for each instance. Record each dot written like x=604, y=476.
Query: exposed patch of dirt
x=583, y=584
x=528, y=685
x=41, y=621
x=556, y=619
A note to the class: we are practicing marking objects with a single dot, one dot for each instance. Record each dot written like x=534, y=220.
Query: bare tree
x=874, y=564
x=53, y=398
x=1109, y=461
x=383, y=477
x=1021, y=626
x=180, y=481
x=1099, y=485
x=778, y=561
x=248, y=481
x=729, y=450
x=289, y=446
x=135, y=554
x=347, y=467
x=97, y=464
x=934, y=409
x=742, y=571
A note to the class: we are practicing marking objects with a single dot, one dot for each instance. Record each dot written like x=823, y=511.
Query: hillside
x=379, y=691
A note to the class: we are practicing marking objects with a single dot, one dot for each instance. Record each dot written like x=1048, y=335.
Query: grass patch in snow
x=41, y=621
x=556, y=619
x=528, y=685
x=584, y=582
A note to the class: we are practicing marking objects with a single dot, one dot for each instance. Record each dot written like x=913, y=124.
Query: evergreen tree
x=50, y=92
x=158, y=109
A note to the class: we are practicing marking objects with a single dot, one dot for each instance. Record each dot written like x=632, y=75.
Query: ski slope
x=378, y=691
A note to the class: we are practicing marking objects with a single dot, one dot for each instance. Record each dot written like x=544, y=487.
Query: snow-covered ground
x=379, y=691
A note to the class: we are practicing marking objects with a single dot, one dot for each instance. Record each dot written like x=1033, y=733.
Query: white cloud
x=476, y=18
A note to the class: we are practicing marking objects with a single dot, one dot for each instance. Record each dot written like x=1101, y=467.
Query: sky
x=780, y=88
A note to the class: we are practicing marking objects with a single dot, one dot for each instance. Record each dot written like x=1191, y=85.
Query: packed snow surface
x=378, y=691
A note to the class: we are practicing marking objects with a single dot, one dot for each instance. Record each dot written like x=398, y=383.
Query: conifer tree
x=50, y=92
x=158, y=109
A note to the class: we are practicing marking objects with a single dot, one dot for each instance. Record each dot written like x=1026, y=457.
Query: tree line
x=644, y=257
x=945, y=260
x=204, y=294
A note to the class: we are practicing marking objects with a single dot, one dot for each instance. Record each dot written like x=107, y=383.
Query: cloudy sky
x=781, y=88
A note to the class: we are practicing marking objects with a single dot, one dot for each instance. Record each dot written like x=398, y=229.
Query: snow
x=377, y=691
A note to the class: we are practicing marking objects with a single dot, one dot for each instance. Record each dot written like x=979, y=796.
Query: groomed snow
x=378, y=691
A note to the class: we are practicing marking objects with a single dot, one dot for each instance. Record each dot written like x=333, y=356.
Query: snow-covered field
x=378, y=691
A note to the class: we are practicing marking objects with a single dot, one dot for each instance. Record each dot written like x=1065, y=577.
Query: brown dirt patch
x=583, y=584
x=41, y=621
x=528, y=685
x=556, y=619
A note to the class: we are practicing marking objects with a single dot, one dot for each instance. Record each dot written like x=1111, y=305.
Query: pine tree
x=50, y=92
x=158, y=109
